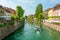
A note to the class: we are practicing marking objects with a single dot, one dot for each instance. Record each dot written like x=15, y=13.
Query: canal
x=27, y=32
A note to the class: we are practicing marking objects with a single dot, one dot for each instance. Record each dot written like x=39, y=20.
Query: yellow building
x=50, y=13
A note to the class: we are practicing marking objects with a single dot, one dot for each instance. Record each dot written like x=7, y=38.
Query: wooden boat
x=37, y=28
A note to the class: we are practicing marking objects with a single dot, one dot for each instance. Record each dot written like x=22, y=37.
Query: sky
x=29, y=5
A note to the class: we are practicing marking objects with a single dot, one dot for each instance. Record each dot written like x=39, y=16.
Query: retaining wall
x=4, y=31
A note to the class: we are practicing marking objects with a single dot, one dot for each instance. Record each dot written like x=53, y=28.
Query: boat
x=37, y=28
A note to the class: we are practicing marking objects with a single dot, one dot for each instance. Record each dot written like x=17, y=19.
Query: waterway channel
x=27, y=32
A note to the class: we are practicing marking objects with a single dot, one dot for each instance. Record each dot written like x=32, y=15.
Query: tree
x=26, y=17
x=20, y=11
x=39, y=11
x=30, y=18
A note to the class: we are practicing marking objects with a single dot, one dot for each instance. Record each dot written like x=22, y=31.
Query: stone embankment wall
x=53, y=26
x=5, y=31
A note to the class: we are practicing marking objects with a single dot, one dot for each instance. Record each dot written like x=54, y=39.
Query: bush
x=11, y=23
x=54, y=17
x=2, y=25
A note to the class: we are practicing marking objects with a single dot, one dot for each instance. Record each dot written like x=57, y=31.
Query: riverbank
x=5, y=31
x=53, y=26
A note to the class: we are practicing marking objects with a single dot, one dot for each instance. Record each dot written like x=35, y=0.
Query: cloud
x=26, y=2
x=29, y=12
x=8, y=3
x=55, y=1
x=28, y=5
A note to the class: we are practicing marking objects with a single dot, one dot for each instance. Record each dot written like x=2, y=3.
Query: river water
x=27, y=32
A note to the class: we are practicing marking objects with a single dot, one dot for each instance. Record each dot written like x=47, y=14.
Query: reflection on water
x=37, y=32
x=28, y=33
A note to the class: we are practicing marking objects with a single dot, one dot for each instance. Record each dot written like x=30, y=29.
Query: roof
x=0, y=6
x=57, y=6
x=49, y=9
x=10, y=10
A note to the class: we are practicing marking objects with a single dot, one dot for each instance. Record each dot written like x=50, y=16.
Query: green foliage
x=20, y=11
x=54, y=17
x=39, y=11
x=11, y=23
x=25, y=16
x=1, y=12
x=22, y=18
x=12, y=18
x=2, y=25
x=30, y=18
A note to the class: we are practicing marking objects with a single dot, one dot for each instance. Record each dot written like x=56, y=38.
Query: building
x=46, y=13
x=1, y=10
x=54, y=13
x=9, y=13
x=50, y=13
x=6, y=13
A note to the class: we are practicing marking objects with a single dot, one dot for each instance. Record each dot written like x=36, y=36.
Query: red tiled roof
x=49, y=9
x=10, y=10
x=57, y=6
